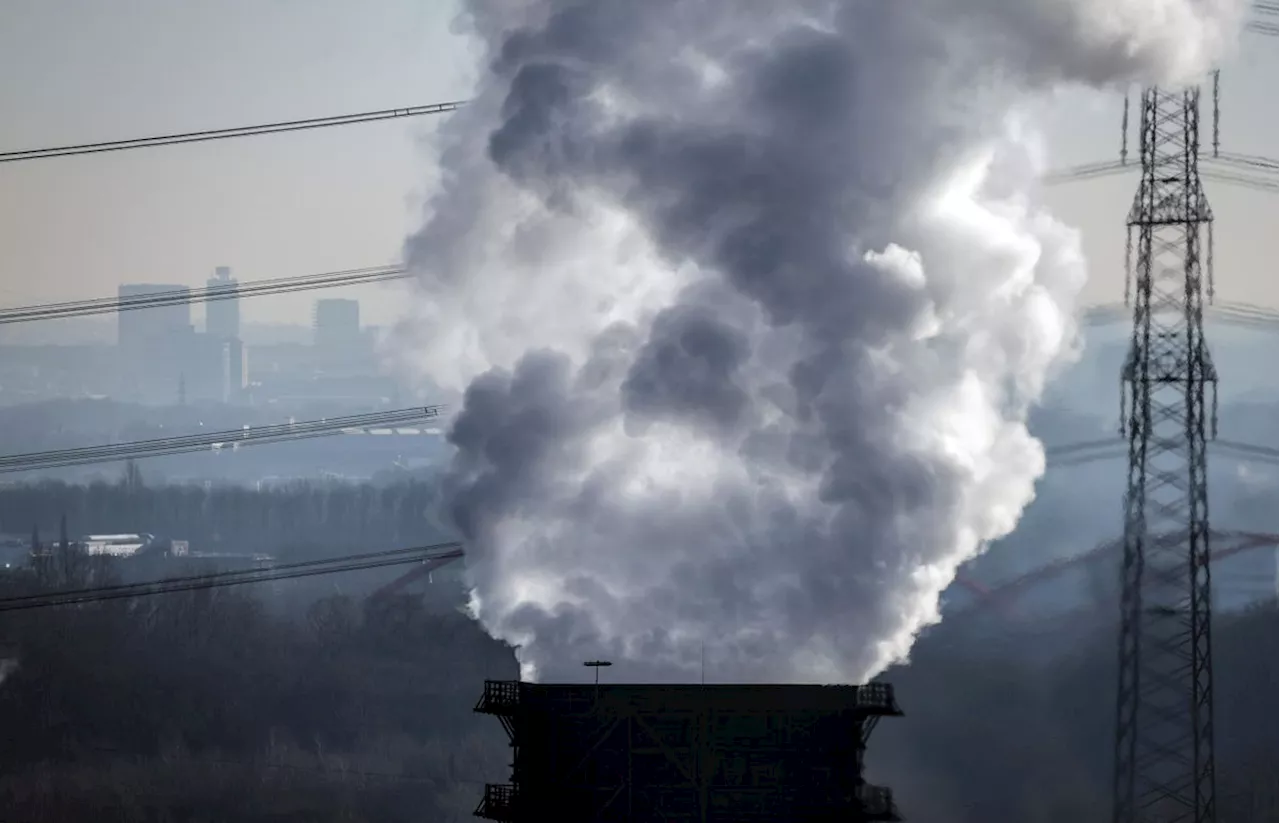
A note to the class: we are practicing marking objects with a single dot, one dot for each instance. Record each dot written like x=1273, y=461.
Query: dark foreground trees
x=201, y=706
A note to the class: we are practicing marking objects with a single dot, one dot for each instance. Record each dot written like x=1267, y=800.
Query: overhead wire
x=1074, y=454
x=235, y=574
x=227, y=133
x=214, y=441
x=286, y=571
x=1264, y=27
x=348, y=277
x=1227, y=167
x=276, y=286
x=1253, y=160
x=993, y=593
x=1087, y=171
x=1065, y=449
x=1229, y=312
x=171, y=297
x=1243, y=181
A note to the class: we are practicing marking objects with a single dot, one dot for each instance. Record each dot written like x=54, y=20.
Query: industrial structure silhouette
x=695, y=752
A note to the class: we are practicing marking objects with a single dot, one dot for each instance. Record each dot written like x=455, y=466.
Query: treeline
x=203, y=706
x=293, y=519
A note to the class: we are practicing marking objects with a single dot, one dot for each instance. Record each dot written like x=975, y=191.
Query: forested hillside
x=201, y=706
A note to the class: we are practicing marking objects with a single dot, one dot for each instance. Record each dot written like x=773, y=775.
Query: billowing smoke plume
x=748, y=301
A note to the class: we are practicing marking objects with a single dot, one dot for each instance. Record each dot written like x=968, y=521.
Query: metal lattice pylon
x=1164, y=768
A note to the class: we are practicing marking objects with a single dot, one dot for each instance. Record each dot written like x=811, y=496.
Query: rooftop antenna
x=597, y=665
x=704, y=662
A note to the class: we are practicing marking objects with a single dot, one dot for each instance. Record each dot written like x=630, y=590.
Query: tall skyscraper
x=215, y=369
x=148, y=326
x=154, y=342
x=222, y=314
x=236, y=380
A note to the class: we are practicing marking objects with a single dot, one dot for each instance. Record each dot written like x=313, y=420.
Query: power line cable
x=1086, y=171
x=234, y=439
x=171, y=297
x=1245, y=450
x=1075, y=454
x=288, y=571
x=224, y=134
x=265, y=577
x=1067, y=449
x=1235, y=169
x=235, y=574
x=1233, y=313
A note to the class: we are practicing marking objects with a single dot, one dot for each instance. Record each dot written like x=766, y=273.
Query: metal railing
x=500, y=696
x=498, y=802
x=878, y=697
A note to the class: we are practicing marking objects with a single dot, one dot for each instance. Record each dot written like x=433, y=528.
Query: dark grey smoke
x=749, y=303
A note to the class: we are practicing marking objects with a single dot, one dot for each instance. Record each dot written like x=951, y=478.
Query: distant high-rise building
x=235, y=370
x=215, y=369
x=154, y=343
x=222, y=314
x=145, y=327
x=337, y=325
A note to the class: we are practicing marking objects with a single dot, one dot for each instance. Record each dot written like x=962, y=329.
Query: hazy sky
x=324, y=200
x=87, y=70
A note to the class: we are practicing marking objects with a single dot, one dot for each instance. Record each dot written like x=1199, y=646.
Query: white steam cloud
x=748, y=302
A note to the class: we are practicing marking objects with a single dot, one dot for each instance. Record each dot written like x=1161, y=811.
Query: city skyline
x=159, y=357
x=103, y=329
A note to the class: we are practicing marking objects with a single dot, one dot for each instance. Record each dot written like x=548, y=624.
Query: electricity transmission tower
x=1164, y=768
